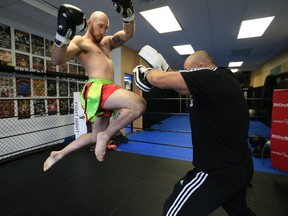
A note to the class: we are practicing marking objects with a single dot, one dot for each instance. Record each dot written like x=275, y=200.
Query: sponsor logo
x=281, y=121
x=283, y=154
x=279, y=137
x=280, y=105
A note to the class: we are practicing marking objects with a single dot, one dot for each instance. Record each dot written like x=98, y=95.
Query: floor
x=133, y=180
x=124, y=184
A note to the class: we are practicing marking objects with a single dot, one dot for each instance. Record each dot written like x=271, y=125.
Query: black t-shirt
x=219, y=119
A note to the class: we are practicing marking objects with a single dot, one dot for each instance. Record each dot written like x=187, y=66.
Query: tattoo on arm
x=117, y=41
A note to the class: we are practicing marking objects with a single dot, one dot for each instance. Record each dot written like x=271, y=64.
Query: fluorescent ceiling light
x=44, y=6
x=234, y=70
x=162, y=19
x=254, y=27
x=235, y=64
x=184, y=49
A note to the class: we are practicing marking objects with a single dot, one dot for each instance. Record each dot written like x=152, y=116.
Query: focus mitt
x=153, y=58
x=140, y=73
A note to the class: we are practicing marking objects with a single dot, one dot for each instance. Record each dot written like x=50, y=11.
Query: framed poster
x=7, y=108
x=6, y=87
x=5, y=57
x=52, y=106
x=73, y=69
x=48, y=46
x=23, y=109
x=22, y=41
x=51, y=88
x=5, y=36
x=63, y=88
x=50, y=67
x=38, y=63
x=63, y=106
x=37, y=45
x=39, y=107
x=23, y=87
x=22, y=61
x=38, y=86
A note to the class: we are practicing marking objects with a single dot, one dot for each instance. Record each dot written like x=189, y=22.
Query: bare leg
x=129, y=107
x=55, y=156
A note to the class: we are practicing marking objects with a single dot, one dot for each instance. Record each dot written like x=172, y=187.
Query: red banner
x=279, y=130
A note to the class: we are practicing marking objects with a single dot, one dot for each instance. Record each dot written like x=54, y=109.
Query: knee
x=140, y=106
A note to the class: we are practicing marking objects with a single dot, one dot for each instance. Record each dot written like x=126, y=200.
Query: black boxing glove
x=71, y=20
x=125, y=8
x=140, y=73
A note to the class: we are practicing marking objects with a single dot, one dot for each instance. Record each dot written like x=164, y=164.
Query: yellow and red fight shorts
x=93, y=97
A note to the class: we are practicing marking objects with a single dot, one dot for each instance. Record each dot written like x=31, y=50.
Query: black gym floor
x=125, y=184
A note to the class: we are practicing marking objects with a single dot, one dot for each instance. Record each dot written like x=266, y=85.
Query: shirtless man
x=100, y=97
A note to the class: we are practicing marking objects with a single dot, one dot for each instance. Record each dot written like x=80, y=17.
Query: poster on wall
x=6, y=87
x=5, y=36
x=39, y=107
x=52, y=106
x=5, y=58
x=51, y=88
x=22, y=61
x=48, y=45
x=81, y=70
x=38, y=86
x=72, y=88
x=23, y=87
x=6, y=108
x=63, y=88
x=23, y=109
x=22, y=41
x=38, y=63
x=63, y=68
x=73, y=69
x=37, y=45
x=81, y=86
x=50, y=67
x=71, y=105
x=63, y=106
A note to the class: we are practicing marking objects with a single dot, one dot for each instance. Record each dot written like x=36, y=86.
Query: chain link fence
x=36, y=111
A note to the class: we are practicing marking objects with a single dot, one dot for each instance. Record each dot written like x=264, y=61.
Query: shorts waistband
x=100, y=81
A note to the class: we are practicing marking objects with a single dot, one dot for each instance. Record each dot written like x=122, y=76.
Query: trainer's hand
x=153, y=58
x=140, y=73
x=125, y=8
x=71, y=20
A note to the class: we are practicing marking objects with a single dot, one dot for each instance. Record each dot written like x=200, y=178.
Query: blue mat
x=172, y=139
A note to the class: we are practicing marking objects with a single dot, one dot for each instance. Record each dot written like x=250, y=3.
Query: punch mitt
x=140, y=73
x=153, y=58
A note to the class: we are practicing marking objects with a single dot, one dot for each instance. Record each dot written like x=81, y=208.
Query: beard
x=97, y=39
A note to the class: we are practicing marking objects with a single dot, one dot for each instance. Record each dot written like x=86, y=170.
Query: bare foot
x=100, y=148
x=52, y=159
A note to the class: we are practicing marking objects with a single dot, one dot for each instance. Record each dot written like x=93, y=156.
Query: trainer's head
x=199, y=59
x=98, y=24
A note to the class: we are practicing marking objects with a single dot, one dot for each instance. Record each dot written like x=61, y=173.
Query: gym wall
x=36, y=103
x=258, y=76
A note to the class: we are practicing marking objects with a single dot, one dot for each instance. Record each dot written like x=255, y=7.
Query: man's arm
x=70, y=20
x=172, y=80
x=60, y=55
x=120, y=37
x=147, y=78
x=126, y=9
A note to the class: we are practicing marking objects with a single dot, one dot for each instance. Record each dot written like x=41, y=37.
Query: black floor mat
x=123, y=185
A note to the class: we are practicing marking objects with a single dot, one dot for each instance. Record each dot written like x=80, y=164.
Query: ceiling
x=212, y=25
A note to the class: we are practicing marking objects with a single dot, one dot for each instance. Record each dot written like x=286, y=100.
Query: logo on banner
x=279, y=137
x=280, y=105
x=284, y=121
x=283, y=154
